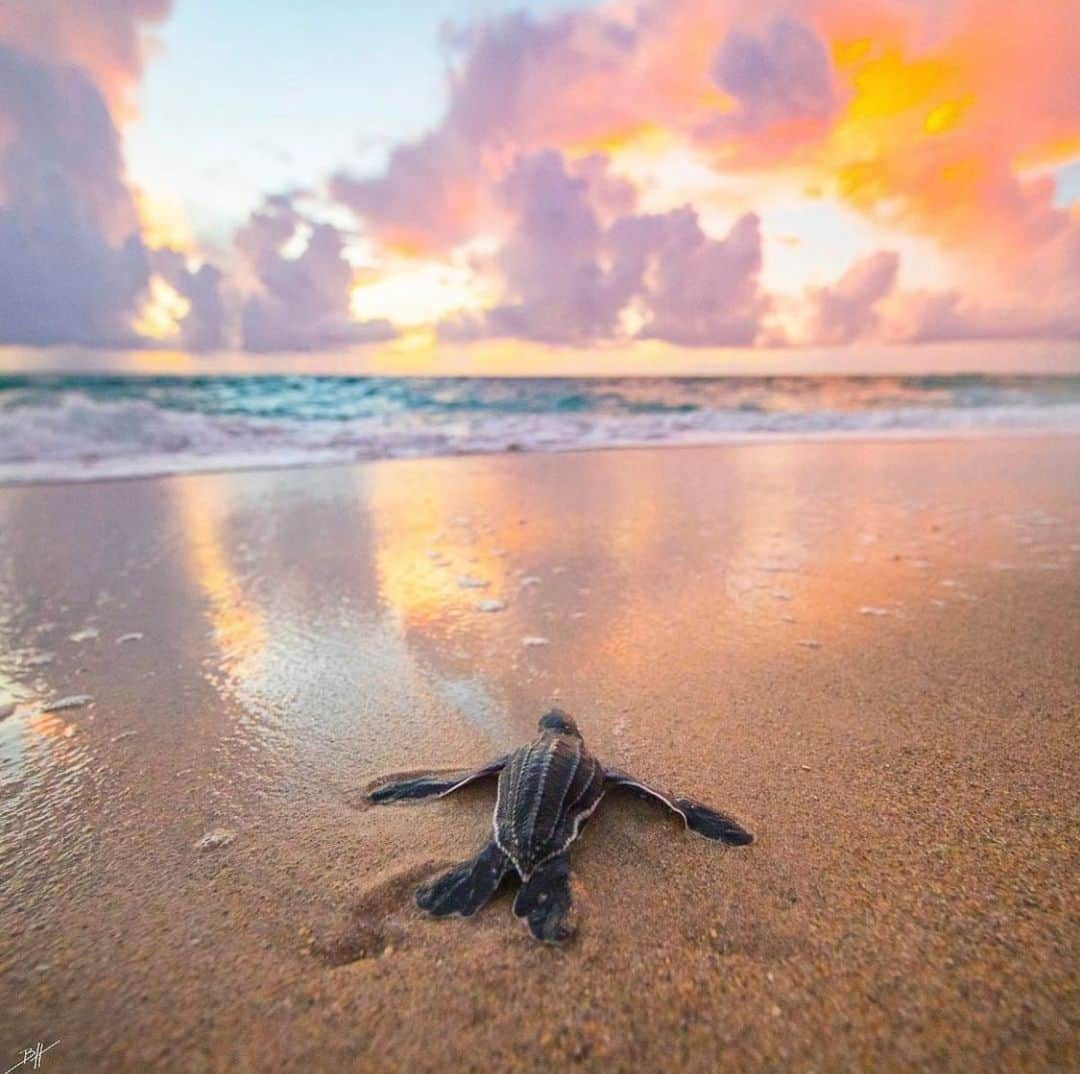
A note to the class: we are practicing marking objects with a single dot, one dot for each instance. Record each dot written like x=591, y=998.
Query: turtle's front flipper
x=466, y=887
x=434, y=784
x=544, y=899
x=699, y=818
x=712, y=824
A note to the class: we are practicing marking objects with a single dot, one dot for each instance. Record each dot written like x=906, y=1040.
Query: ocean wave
x=69, y=435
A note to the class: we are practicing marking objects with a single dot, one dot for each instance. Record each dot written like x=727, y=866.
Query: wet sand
x=869, y=653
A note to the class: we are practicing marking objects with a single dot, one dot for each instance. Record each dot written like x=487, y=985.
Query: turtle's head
x=558, y=721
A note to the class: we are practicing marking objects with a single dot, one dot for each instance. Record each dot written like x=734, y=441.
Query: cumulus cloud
x=571, y=268
x=925, y=124
x=73, y=265
x=846, y=310
x=301, y=301
x=426, y=200
x=204, y=327
x=943, y=316
x=513, y=89
x=102, y=38
x=781, y=76
x=697, y=291
x=522, y=83
x=547, y=156
x=557, y=289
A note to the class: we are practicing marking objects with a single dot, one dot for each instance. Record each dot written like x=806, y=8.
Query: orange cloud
x=939, y=125
x=104, y=38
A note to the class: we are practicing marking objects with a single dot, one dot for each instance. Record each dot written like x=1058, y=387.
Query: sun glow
x=162, y=311
x=416, y=293
x=162, y=220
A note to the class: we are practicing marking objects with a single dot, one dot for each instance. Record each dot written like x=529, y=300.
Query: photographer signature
x=32, y=1056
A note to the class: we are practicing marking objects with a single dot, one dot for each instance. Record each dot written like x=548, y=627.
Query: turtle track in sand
x=376, y=921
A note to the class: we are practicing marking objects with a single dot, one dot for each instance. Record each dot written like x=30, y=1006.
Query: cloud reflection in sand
x=347, y=621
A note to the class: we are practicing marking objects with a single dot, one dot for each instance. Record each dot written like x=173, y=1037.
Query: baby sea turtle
x=547, y=790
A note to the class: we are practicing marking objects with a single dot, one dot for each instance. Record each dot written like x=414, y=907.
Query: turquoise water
x=72, y=426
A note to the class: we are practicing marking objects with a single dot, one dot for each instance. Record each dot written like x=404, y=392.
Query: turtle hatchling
x=547, y=790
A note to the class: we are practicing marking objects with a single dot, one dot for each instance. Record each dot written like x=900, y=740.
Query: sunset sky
x=277, y=176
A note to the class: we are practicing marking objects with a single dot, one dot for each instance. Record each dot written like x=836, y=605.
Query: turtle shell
x=546, y=792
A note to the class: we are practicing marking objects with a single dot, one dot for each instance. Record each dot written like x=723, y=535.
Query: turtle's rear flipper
x=544, y=899
x=467, y=887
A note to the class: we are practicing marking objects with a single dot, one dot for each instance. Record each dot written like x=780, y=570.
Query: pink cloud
x=567, y=277
x=781, y=81
x=105, y=39
x=73, y=264
x=920, y=118
x=935, y=119
x=514, y=89
x=301, y=302
x=698, y=291
x=847, y=309
x=205, y=326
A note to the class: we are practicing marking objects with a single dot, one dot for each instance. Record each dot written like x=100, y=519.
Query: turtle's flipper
x=434, y=784
x=467, y=887
x=544, y=899
x=699, y=818
x=712, y=824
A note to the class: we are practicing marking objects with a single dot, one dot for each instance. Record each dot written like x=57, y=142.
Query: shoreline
x=10, y=479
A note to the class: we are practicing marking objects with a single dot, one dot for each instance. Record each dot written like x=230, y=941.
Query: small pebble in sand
x=531, y=641
x=87, y=634
x=125, y=638
x=869, y=609
x=490, y=605
x=788, y=619
x=215, y=839
x=809, y=643
x=577, y=615
x=559, y=570
x=38, y=660
x=123, y=734
x=781, y=594
x=949, y=583
x=529, y=579
x=467, y=581
x=74, y=701
x=938, y=603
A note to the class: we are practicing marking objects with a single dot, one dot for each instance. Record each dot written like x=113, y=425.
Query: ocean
x=70, y=427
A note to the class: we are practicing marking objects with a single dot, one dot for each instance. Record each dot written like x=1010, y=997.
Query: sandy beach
x=867, y=652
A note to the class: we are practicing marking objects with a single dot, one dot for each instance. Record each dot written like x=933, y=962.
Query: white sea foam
x=76, y=437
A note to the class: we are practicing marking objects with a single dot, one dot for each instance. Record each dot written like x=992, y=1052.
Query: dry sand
x=870, y=653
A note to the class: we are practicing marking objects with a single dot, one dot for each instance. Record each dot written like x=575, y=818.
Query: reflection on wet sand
x=238, y=624
x=348, y=618
x=764, y=560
